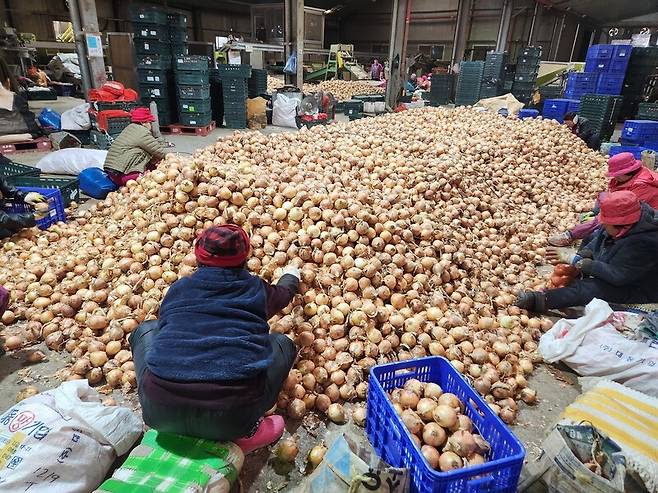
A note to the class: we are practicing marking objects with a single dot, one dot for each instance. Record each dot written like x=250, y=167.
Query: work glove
x=586, y=266
x=33, y=198
x=559, y=256
x=292, y=270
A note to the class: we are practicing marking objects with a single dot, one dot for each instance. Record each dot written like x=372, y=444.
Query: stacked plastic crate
x=640, y=133
x=494, y=75
x=151, y=36
x=193, y=90
x=527, y=68
x=647, y=111
x=609, y=63
x=440, y=89
x=602, y=111
x=216, y=97
x=555, y=109
x=177, y=33
x=234, y=89
x=642, y=65
x=257, y=82
x=469, y=83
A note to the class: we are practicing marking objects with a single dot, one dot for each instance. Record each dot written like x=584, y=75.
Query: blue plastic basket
x=392, y=441
x=639, y=131
x=55, y=206
x=600, y=52
x=528, y=113
x=610, y=83
x=621, y=51
x=618, y=65
x=635, y=150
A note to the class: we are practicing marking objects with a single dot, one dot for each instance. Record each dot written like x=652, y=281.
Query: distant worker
x=584, y=129
x=411, y=84
x=625, y=173
x=376, y=70
x=135, y=150
x=12, y=222
x=619, y=265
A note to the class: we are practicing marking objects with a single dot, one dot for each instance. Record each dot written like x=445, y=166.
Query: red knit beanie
x=222, y=246
x=620, y=208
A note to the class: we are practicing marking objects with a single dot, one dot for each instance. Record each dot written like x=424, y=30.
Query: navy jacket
x=12, y=222
x=213, y=326
x=632, y=259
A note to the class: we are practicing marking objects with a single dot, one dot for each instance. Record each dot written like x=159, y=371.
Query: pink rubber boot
x=269, y=431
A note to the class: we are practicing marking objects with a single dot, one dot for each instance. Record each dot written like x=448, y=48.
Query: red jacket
x=644, y=185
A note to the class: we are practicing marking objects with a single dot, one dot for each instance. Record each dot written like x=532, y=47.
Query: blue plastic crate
x=610, y=83
x=651, y=145
x=528, y=113
x=621, y=51
x=635, y=150
x=597, y=65
x=574, y=105
x=392, y=441
x=578, y=93
x=639, y=131
x=55, y=206
x=600, y=52
x=618, y=65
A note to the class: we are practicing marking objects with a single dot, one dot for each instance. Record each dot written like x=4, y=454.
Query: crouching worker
x=619, y=265
x=135, y=150
x=12, y=222
x=209, y=367
x=625, y=173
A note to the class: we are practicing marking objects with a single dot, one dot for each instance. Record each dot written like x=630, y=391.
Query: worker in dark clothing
x=209, y=367
x=584, y=129
x=13, y=222
x=619, y=265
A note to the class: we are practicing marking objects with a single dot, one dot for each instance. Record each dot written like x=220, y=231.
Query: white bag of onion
x=63, y=440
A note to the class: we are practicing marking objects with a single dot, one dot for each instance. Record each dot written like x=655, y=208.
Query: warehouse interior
x=328, y=246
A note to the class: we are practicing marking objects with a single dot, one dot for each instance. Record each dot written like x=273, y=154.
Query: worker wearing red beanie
x=209, y=366
x=625, y=173
x=619, y=265
x=135, y=150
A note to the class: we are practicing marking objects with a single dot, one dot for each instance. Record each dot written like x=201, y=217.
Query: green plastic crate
x=70, y=188
x=192, y=78
x=195, y=119
x=12, y=169
x=194, y=105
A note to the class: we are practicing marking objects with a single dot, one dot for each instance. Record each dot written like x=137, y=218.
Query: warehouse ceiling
x=605, y=12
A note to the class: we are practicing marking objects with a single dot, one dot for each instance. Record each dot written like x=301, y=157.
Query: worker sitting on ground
x=625, y=173
x=619, y=265
x=12, y=222
x=584, y=129
x=209, y=367
x=135, y=150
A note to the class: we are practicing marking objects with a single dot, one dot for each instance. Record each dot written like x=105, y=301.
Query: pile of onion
x=438, y=426
x=343, y=90
x=412, y=231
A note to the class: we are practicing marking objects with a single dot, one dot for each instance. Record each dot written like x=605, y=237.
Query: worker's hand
x=34, y=198
x=40, y=214
x=292, y=270
x=586, y=266
x=559, y=256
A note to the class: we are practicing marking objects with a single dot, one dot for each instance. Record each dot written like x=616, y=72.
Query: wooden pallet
x=178, y=129
x=37, y=145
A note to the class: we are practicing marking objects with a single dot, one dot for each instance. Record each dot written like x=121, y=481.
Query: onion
x=412, y=421
x=433, y=391
x=35, y=357
x=336, y=413
x=462, y=443
x=26, y=392
x=296, y=409
x=425, y=408
x=434, y=435
x=359, y=415
x=13, y=342
x=409, y=399
x=445, y=416
x=316, y=455
x=431, y=455
x=287, y=450
x=449, y=461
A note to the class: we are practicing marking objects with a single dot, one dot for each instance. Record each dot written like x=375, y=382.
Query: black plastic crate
x=195, y=119
x=150, y=31
x=163, y=105
x=193, y=92
x=100, y=140
x=146, y=76
x=194, y=106
x=529, y=51
x=153, y=90
x=153, y=62
x=178, y=35
x=177, y=19
x=150, y=16
x=150, y=47
x=192, y=78
x=179, y=50
x=191, y=62
x=234, y=71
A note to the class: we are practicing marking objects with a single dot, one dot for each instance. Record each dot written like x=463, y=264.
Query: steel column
x=299, y=15
x=503, y=27
x=532, y=24
x=80, y=48
x=575, y=40
x=559, y=37
x=461, y=30
x=89, y=22
x=397, y=63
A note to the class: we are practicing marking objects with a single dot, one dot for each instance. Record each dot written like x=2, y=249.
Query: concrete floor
x=556, y=387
